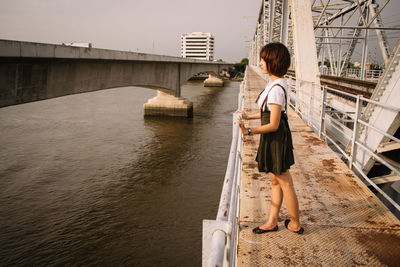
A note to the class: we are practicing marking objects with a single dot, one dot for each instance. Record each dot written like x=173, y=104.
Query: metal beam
x=322, y=13
x=376, y=13
x=284, y=22
x=340, y=48
x=330, y=54
x=361, y=13
x=383, y=43
x=351, y=47
x=365, y=45
x=359, y=27
x=339, y=37
x=388, y=146
x=342, y=12
x=271, y=20
x=385, y=179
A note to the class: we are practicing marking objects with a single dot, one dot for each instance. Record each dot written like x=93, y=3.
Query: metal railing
x=220, y=235
x=354, y=73
x=325, y=128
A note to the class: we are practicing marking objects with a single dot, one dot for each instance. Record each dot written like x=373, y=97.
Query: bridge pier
x=164, y=104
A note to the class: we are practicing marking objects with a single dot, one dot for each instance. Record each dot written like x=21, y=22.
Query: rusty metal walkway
x=345, y=223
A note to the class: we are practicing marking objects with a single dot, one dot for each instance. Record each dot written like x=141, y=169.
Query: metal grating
x=319, y=246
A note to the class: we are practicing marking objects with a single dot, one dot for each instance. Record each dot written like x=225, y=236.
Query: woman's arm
x=272, y=126
x=246, y=116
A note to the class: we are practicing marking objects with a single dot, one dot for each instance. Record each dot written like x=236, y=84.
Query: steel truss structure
x=339, y=26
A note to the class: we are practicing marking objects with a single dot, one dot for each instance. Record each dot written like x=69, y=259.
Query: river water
x=87, y=180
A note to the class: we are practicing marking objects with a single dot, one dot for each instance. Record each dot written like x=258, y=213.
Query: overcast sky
x=150, y=26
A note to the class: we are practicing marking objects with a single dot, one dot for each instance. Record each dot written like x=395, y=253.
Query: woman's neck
x=273, y=77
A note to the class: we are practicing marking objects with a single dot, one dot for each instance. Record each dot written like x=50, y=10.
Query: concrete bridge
x=37, y=71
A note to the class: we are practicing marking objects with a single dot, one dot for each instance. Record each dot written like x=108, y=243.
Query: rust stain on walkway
x=345, y=223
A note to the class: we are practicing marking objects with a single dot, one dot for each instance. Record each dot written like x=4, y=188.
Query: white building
x=197, y=45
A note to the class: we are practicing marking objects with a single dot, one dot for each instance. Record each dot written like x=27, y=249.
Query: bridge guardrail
x=220, y=235
x=354, y=73
x=321, y=129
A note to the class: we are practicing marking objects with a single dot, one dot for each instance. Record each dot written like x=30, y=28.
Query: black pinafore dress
x=275, y=151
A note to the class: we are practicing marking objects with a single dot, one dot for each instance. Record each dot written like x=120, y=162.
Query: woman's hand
x=242, y=128
x=244, y=114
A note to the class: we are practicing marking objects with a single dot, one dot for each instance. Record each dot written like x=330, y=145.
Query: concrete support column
x=213, y=81
x=165, y=104
x=308, y=93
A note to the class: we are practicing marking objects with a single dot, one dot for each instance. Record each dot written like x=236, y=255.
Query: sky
x=149, y=26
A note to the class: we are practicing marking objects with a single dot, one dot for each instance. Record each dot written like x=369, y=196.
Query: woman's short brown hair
x=276, y=57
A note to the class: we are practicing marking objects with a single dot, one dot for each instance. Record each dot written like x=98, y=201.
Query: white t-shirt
x=275, y=94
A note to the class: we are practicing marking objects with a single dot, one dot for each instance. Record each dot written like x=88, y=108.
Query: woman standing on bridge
x=275, y=151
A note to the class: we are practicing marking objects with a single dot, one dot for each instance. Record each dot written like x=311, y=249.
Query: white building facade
x=197, y=45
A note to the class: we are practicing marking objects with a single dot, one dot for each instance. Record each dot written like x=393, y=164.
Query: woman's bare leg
x=292, y=205
x=276, y=202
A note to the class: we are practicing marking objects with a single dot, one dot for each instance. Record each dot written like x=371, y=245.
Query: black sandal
x=300, y=231
x=258, y=230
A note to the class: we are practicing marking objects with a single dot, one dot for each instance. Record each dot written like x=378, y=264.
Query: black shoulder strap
x=259, y=95
x=284, y=91
x=266, y=98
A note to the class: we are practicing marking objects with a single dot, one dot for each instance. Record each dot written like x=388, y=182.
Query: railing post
x=297, y=86
x=353, y=151
x=289, y=93
x=312, y=95
x=322, y=119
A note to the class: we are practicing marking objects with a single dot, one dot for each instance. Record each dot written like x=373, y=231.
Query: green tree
x=244, y=61
x=239, y=68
